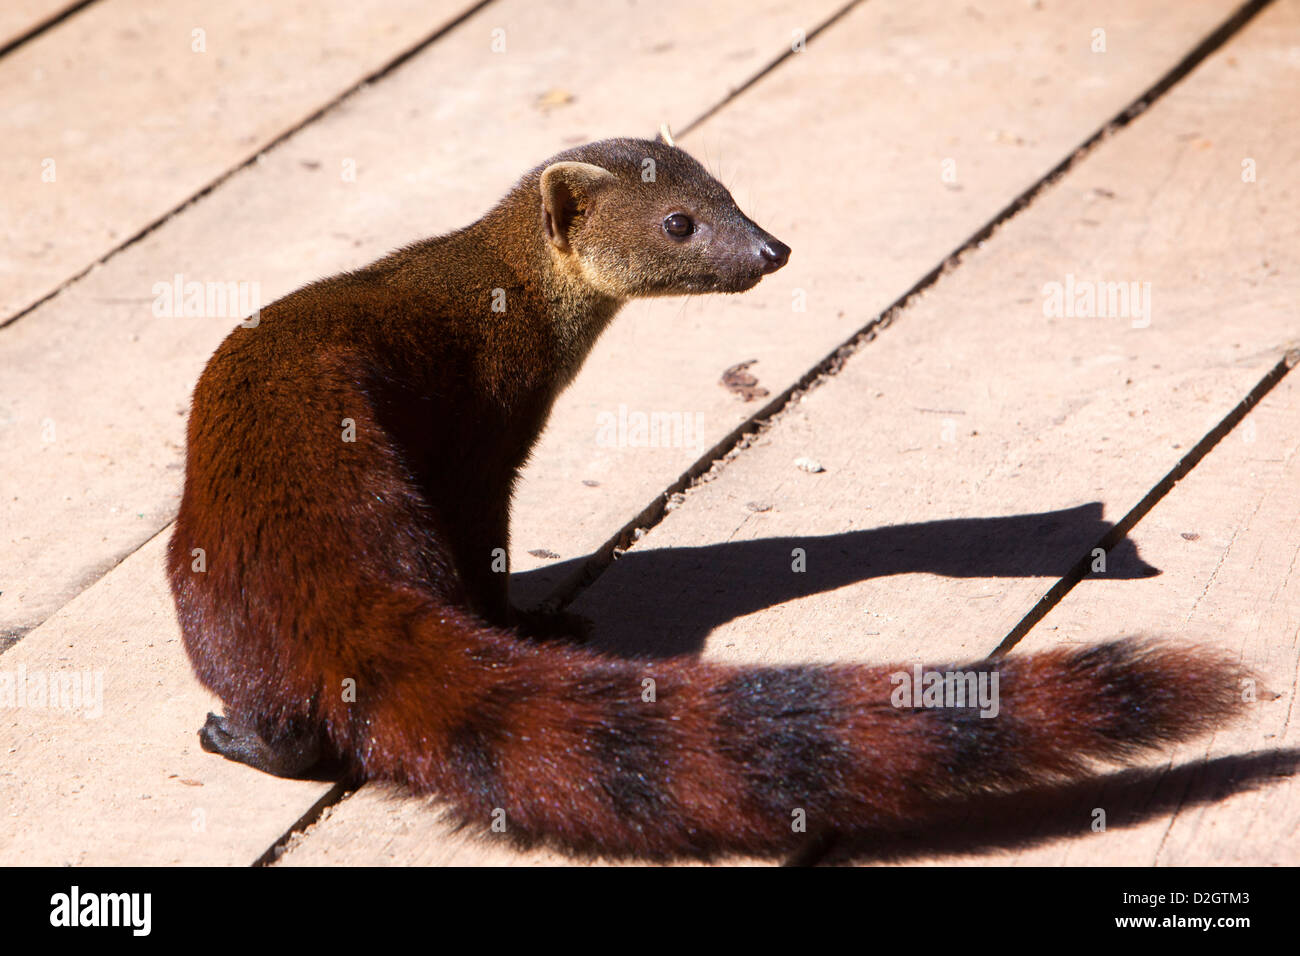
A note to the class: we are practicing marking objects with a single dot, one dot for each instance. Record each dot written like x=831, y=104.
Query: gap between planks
x=41, y=26
x=1119, y=531
x=785, y=55
x=335, y=794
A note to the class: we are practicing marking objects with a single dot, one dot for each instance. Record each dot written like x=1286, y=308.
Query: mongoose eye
x=679, y=225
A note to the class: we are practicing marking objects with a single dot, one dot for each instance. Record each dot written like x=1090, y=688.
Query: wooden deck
x=936, y=169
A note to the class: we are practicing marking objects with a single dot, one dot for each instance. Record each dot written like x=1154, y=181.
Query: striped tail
x=662, y=758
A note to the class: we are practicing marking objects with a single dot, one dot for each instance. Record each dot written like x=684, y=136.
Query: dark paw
x=287, y=755
x=213, y=735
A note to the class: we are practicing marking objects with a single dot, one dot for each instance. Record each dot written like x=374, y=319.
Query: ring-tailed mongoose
x=351, y=459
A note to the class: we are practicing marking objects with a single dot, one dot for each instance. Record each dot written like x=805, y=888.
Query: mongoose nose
x=775, y=254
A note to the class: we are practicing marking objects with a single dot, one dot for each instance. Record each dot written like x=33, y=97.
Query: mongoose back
x=350, y=465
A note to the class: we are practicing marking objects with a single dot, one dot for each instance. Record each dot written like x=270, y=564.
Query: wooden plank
x=1227, y=539
x=266, y=222
x=894, y=428
x=120, y=778
x=380, y=826
x=120, y=114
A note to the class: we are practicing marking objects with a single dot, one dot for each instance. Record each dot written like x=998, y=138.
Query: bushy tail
x=661, y=758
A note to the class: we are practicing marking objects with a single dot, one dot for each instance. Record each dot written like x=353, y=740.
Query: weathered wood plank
x=120, y=778
x=123, y=112
x=1227, y=539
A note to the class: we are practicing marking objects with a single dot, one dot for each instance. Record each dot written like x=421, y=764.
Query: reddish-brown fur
x=371, y=562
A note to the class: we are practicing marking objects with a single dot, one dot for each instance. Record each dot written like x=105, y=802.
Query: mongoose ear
x=567, y=189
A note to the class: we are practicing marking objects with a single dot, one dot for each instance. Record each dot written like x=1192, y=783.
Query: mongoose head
x=635, y=217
